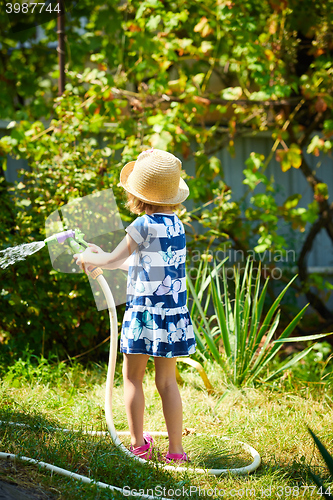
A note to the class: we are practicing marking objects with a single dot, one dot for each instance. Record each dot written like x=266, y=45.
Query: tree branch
x=242, y=102
x=305, y=137
x=324, y=208
x=314, y=300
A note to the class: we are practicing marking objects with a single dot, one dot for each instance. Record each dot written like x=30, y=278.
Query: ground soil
x=19, y=482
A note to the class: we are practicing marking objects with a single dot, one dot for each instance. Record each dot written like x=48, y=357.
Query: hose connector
x=94, y=273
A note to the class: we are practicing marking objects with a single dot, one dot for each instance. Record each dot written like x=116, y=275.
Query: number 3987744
x=30, y=8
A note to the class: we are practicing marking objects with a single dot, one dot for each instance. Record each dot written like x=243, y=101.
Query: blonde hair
x=137, y=206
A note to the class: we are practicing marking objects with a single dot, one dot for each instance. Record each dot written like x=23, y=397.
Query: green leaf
x=155, y=119
x=324, y=453
x=254, y=161
x=11, y=124
x=292, y=201
x=306, y=338
x=232, y=93
x=315, y=144
x=161, y=140
x=221, y=320
x=206, y=330
x=295, y=156
x=24, y=203
x=153, y=22
x=252, y=179
x=321, y=191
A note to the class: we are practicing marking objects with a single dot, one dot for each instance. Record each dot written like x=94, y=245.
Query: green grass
x=273, y=419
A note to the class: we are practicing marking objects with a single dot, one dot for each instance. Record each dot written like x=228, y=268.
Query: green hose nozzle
x=73, y=238
x=76, y=243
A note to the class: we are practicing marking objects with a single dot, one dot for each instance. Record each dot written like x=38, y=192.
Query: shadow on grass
x=93, y=456
x=97, y=458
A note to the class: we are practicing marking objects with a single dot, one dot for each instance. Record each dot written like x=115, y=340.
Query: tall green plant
x=236, y=335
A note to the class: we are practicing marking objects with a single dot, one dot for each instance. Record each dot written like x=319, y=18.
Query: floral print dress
x=157, y=321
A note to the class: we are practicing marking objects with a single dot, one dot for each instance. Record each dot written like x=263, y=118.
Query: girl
x=156, y=321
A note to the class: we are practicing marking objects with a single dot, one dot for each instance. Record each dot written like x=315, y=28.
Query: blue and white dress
x=157, y=321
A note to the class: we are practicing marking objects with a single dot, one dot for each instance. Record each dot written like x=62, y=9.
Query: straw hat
x=155, y=178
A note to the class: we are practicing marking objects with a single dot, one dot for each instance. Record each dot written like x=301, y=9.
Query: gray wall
x=288, y=183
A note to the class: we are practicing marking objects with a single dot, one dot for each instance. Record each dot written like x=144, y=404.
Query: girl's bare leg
x=134, y=367
x=166, y=383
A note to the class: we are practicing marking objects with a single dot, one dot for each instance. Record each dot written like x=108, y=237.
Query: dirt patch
x=13, y=492
x=19, y=482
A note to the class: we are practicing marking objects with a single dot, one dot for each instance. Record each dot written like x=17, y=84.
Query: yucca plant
x=324, y=491
x=237, y=324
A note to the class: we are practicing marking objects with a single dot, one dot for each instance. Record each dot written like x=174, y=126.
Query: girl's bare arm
x=94, y=256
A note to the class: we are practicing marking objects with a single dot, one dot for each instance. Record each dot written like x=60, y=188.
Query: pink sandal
x=146, y=450
x=180, y=458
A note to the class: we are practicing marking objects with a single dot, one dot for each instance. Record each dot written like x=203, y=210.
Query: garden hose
x=108, y=403
x=78, y=245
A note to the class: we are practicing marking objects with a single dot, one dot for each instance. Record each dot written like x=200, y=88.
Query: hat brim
x=125, y=182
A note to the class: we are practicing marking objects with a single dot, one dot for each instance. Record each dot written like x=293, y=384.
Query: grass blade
x=287, y=331
x=256, y=308
x=289, y=363
x=237, y=314
x=254, y=339
x=247, y=298
x=319, y=483
x=199, y=342
x=227, y=308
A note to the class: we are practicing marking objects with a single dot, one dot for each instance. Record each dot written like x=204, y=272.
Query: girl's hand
x=95, y=248
x=83, y=259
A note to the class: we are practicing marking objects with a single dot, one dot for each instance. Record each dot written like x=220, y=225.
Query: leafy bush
x=51, y=311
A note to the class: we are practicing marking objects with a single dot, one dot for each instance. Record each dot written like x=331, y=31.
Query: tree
x=190, y=77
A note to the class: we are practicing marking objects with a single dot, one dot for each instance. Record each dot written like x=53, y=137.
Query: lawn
x=271, y=418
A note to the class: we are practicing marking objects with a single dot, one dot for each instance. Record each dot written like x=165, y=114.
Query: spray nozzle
x=60, y=237
x=73, y=238
x=76, y=243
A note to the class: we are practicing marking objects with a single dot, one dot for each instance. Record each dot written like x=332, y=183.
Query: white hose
x=108, y=402
x=73, y=475
x=114, y=436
